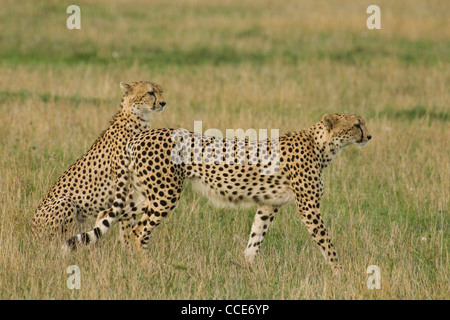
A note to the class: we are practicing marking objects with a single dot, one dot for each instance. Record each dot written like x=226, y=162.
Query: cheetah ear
x=329, y=120
x=126, y=88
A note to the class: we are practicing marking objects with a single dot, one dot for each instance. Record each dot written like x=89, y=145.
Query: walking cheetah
x=86, y=187
x=151, y=168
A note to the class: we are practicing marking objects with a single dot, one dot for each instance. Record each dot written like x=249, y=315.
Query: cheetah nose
x=162, y=104
x=369, y=137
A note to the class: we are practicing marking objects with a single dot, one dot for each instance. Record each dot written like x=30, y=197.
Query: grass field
x=235, y=64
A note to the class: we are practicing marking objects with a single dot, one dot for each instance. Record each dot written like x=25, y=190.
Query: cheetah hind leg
x=65, y=219
x=263, y=219
x=105, y=220
x=123, y=211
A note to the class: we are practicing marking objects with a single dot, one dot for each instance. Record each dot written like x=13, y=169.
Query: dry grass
x=247, y=64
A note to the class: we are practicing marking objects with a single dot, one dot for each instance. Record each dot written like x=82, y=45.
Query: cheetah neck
x=325, y=146
x=123, y=125
x=130, y=121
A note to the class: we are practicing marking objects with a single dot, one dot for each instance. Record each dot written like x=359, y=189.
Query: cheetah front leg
x=310, y=216
x=126, y=227
x=263, y=219
x=308, y=191
x=158, y=205
x=128, y=221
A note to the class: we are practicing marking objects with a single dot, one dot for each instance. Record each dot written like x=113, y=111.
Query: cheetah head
x=345, y=129
x=143, y=98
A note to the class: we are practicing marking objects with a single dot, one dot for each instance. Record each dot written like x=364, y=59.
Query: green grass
x=75, y=100
x=414, y=113
x=247, y=64
x=352, y=49
x=163, y=42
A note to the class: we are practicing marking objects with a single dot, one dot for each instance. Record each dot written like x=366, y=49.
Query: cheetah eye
x=151, y=93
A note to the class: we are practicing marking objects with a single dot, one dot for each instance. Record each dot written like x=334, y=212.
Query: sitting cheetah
x=151, y=168
x=86, y=187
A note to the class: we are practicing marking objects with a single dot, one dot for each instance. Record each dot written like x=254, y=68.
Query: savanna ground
x=234, y=64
